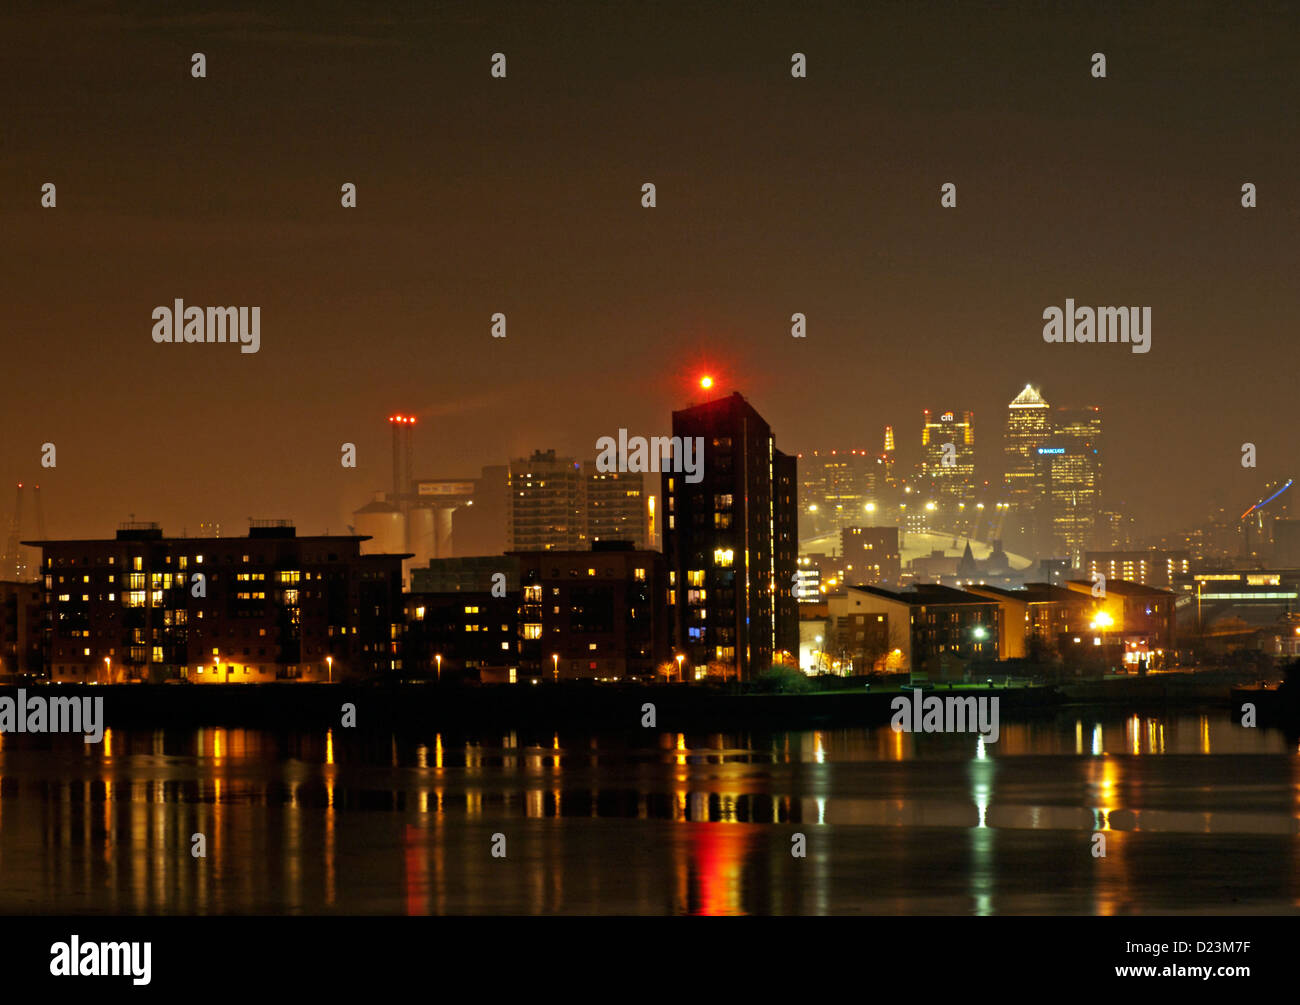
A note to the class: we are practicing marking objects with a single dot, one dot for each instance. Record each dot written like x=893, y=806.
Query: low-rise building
x=929, y=630
x=266, y=607
x=599, y=614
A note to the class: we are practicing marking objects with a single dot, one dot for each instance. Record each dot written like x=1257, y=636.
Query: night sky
x=523, y=195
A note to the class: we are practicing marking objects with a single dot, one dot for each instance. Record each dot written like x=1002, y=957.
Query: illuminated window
x=471, y=610
x=532, y=631
x=638, y=575
x=723, y=557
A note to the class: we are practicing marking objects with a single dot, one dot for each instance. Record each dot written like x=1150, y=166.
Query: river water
x=1197, y=814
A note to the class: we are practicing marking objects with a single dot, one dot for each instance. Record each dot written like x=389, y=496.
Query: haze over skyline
x=522, y=195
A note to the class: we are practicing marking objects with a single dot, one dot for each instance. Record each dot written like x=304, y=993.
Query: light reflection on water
x=1198, y=813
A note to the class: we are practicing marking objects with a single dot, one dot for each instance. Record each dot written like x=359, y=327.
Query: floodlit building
x=948, y=453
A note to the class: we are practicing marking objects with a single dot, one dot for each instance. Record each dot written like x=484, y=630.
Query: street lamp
x=330, y=661
x=555, y=659
x=1102, y=621
x=680, y=657
x=438, y=658
x=108, y=670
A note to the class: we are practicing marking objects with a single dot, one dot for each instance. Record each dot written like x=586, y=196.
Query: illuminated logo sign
x=445, y=488
x=1051, y=450
x=946, y=417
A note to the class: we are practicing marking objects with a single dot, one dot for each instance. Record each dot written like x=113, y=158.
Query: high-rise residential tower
x=731, y=541
x=547, y=504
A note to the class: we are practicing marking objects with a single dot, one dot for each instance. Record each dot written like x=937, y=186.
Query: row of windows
x=136, y=562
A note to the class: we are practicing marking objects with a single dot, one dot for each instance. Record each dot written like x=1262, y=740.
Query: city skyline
x=615, y=309
x=580, y=459
x=989, y=462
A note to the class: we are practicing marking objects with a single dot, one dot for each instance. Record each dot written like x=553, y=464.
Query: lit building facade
x=1028, y=426
x=617, y=506
x=232, y=610
x=594, y=615
x=1147, y=568
x=948, y=436
x=836, y=486
x=928, y=630
x=463, y=634
x=731, y=542
x=871, y=555
x=546, y=508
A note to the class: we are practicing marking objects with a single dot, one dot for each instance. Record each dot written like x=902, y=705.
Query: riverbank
x=601, y=706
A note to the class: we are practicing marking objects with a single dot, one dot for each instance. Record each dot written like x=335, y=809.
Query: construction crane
x=40, y=514
x=14, y=563
x=13, y=560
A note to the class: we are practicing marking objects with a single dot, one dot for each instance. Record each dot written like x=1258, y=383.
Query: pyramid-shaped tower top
x=1029, y=398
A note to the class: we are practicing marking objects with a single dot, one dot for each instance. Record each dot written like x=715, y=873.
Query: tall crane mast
x=13, y=559
x=40, y=514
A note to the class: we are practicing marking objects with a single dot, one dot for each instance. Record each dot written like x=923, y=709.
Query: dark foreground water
x=1198, y=815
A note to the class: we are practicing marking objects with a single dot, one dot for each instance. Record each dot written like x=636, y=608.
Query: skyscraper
x=948, y=452
x=838, y=483
x=1072, y=478
x=731, y=542
x=1028, y=426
